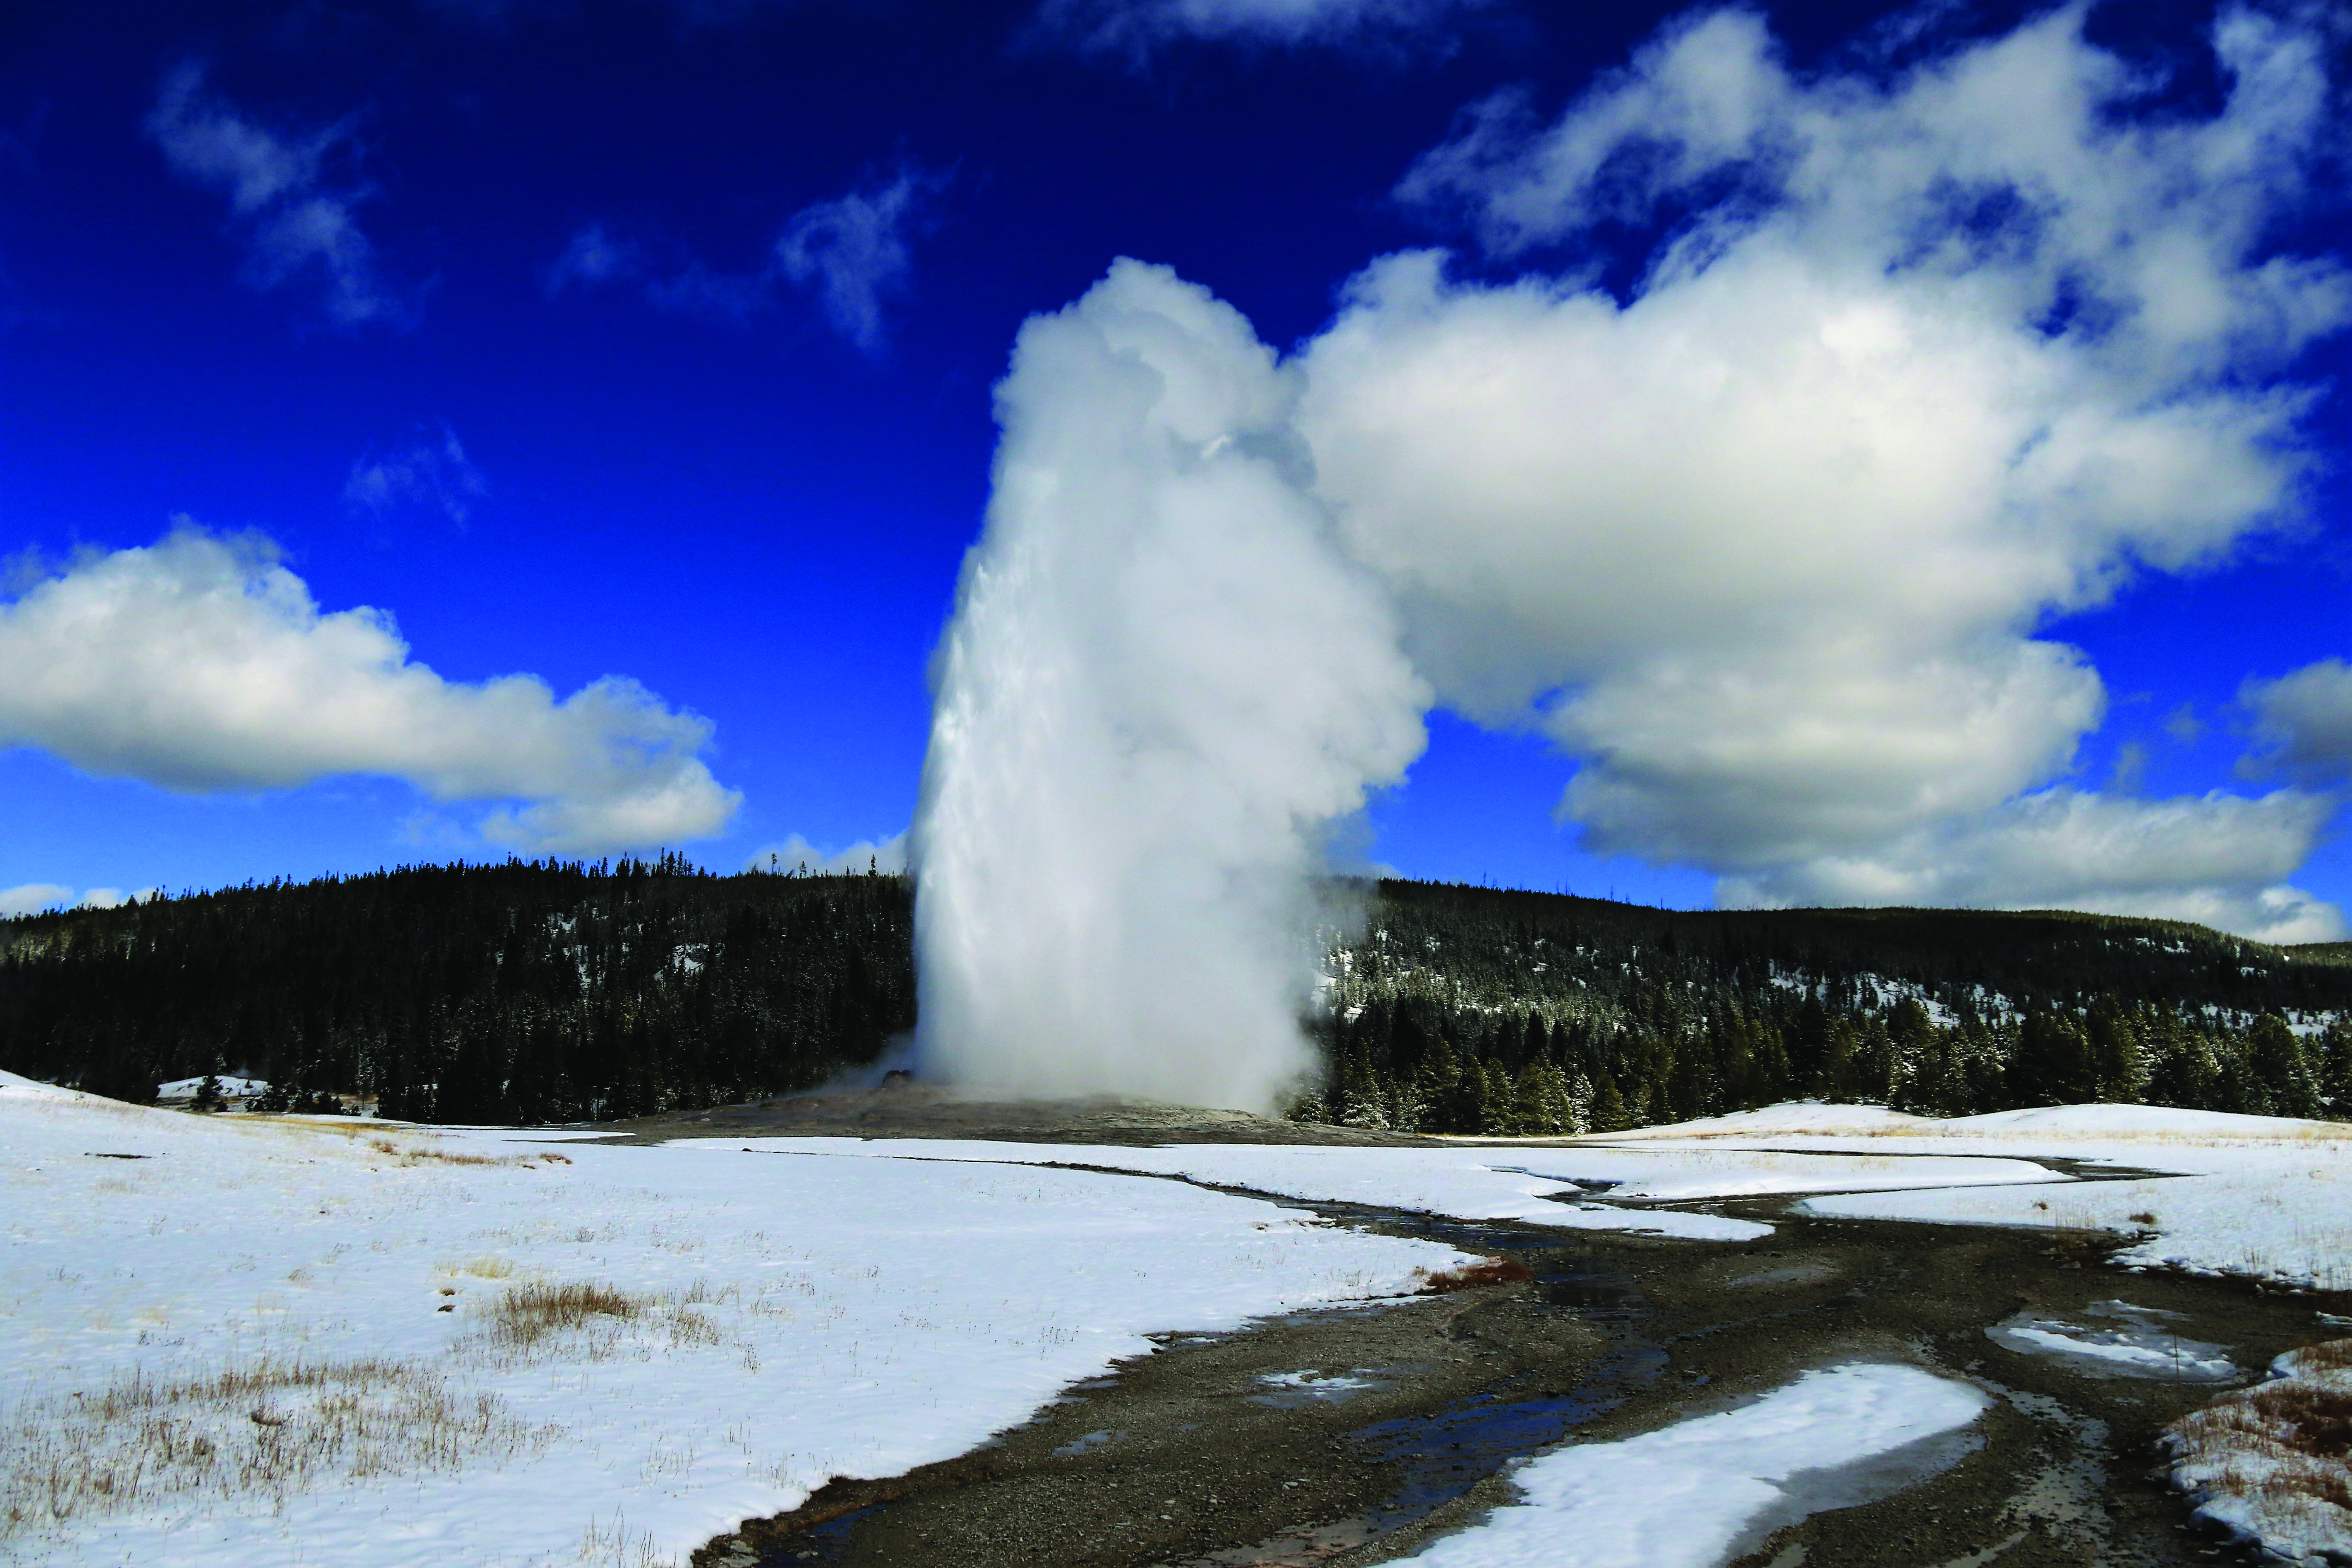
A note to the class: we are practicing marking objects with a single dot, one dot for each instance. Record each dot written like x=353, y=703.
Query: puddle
x=1443, y=1454
x=1077, y=1446
x=2067, y=1493
x=832, y=1542
x=1874, y=1480
x=2124, y=1342
x=1295, y=1390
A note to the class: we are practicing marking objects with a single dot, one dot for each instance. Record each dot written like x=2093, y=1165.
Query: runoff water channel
x=1353, y=1436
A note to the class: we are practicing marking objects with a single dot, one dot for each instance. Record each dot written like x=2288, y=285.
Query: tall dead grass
x=268, y=1426
x=527, y=1314
x=604, y=1319
x=2277, y=1458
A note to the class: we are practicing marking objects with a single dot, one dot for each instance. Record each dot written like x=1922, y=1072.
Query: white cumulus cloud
x=2221, y=859
x=2303, y=719
x=296, y=223
x=797, y=855
x=1918, y=362
x=202, y=664
x=32, y=897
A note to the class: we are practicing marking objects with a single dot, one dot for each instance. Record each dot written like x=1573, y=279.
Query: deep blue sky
x=751, y=515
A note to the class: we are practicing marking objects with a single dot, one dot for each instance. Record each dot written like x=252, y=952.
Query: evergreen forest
x=518, y=993
x=1466, y=1009
x=548, y=991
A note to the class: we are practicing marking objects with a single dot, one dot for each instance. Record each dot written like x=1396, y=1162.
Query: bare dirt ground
x=1351, y=1437
x=901, y=1109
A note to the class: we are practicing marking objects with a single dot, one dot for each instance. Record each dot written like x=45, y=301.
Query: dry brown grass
x=1472, y=1276
x=268, y=1426
x=413, y=1153
x=527, y=1314
x=2285, y=1446
x=596, y=1322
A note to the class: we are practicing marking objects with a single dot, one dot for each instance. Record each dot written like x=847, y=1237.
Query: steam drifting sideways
x=1920, y=358
x=1162, y=685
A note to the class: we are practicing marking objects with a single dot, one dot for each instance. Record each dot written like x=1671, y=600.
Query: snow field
x=2261, y=1196
x=1468, y=1184
x=1569, y=1187
x=273, y=1342
x=1695, y=1493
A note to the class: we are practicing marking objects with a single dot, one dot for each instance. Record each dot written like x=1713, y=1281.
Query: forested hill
x=520, y=991
x=548, y=992
x=1462, y=1008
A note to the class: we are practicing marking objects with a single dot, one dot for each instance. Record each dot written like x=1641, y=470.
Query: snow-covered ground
x=2255, y=1196
x=254, y=1342
x=235, y=1088
x=1469, y=1184
x=1700, y=1491
x=281, y=1342
x=1571, y=1188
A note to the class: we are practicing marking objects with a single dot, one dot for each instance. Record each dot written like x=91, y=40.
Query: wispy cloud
x=431, y=472
x=851, y=252
x=201, y=664
x=851, y=255
x=592, y=256
x=295, y=222
x=1135, y=29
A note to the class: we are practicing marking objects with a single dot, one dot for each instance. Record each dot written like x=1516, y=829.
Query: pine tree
x=1436, y=1085
x=1362, y=1103
x=1608, y=1107
x=2277, y=1059
x=1839, y=1048
x=2118, y=1065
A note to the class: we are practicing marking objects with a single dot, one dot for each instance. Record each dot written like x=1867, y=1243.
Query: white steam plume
x=1164, y=683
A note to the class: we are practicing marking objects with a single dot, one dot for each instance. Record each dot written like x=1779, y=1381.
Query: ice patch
x=1292, y=1390
x=2136, y=1342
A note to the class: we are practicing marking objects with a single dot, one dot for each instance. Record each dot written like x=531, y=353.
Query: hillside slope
x=514, y=993
x=1461, y=1009
x=537, y=991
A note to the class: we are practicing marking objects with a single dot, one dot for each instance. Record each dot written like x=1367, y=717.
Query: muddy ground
x=901, y=1109
x=1350, y=1437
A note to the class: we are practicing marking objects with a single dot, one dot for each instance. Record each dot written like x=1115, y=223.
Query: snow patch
x=1704, y=1490
x=2134, y=1341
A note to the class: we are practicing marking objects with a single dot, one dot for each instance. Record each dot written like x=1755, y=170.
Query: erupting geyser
x=1162, y=685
